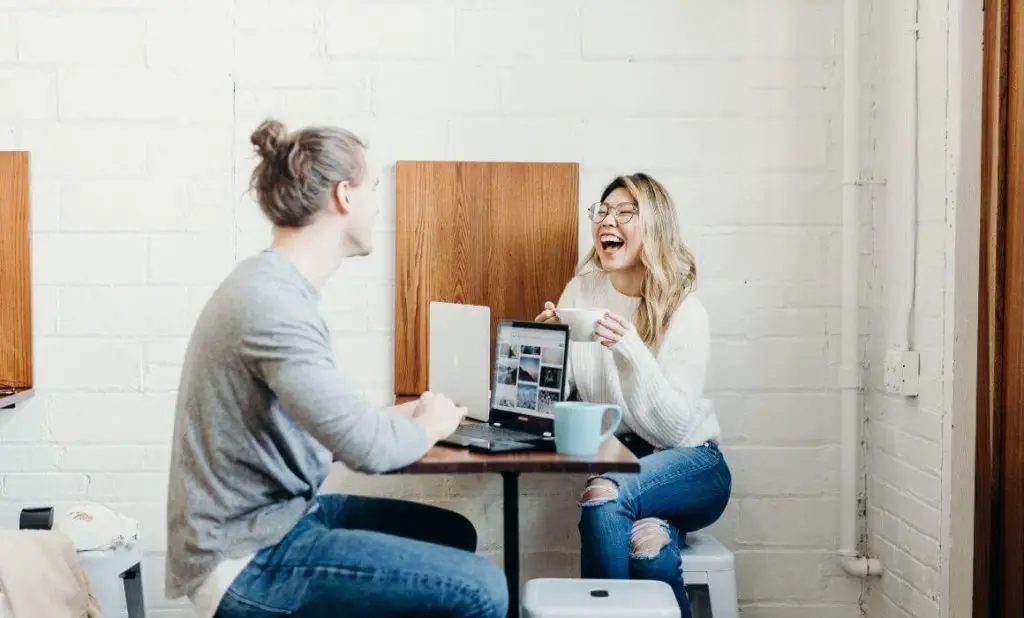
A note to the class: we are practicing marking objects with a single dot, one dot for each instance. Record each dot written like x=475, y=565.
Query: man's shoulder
x=260, y=294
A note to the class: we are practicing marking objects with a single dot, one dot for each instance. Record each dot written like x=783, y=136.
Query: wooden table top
x=613, y=457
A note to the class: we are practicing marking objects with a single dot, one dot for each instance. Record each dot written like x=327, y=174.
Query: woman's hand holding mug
x=548, y=316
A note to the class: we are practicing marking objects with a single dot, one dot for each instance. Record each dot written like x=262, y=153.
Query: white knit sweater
x=660, y=392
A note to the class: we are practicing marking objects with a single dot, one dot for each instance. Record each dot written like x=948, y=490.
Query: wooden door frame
x=999, y=487
x=987, y=514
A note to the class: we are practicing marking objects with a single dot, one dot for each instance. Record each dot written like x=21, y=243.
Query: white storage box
x=598, y=598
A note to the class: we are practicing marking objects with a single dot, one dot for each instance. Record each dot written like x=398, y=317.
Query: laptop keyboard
x=482, y=431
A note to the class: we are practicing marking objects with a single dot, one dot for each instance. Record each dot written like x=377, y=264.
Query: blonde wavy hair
x=670, y=270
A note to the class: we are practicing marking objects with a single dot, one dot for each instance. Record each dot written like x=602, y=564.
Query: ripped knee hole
x=648, y=537
x=600, y=490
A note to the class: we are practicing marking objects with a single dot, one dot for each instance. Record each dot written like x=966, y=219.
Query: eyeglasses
x=623, y=211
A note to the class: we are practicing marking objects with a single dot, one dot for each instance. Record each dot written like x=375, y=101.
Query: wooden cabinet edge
x=20, y=373
x=8, y=402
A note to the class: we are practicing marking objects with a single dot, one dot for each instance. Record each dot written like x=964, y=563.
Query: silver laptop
x=460, y=355
x=528, y=377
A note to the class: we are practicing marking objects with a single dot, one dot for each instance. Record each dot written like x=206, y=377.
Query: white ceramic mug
x=581, y=322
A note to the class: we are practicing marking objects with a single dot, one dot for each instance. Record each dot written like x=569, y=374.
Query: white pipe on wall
x=849, y=372
x=911, y=232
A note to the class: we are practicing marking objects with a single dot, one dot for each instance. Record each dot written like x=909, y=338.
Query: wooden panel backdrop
x=15, y=285
x=497, y=234
x=999, y=478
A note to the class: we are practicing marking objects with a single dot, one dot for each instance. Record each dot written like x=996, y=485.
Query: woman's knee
x=599, y=490
x=652, y=551
x=648, y=538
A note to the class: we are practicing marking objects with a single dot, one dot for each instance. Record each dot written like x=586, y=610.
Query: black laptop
x=528, y=378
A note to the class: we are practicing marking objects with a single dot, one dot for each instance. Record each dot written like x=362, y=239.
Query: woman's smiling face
x=616, y=229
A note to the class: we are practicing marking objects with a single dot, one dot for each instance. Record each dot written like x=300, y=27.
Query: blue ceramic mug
x=578, y=427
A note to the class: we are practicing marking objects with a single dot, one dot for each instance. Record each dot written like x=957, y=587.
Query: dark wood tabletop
x=613, y=457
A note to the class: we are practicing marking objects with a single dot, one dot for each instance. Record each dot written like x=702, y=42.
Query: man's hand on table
x=439, y=416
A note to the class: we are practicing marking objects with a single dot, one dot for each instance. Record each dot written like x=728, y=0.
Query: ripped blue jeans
x=633, y=526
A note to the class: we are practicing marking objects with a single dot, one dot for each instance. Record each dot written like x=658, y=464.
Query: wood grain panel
x=15, y=282
x=497, y=234
x=999, y=484
x=988, y=470
x=1012, y=323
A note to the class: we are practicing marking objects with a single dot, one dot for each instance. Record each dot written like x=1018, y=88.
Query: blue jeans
x=684, y=489
x=360, y=556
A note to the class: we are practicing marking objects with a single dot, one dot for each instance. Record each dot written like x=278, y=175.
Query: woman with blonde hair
x=651, y=361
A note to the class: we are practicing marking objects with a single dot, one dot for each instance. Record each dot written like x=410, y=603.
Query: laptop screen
x=529, y=369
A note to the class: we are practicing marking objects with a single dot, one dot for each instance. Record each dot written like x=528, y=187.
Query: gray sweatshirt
x=261, y=412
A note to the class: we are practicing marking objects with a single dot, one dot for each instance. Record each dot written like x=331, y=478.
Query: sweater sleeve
x=663, y=394
x=291, y=353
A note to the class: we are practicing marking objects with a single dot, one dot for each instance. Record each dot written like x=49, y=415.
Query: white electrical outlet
x=902, y=372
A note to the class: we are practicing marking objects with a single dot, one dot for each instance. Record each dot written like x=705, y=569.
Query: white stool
x=706, y=562
x=596, y=598
x=115, y=576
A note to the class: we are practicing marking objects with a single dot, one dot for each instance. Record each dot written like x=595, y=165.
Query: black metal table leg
x=510, y=504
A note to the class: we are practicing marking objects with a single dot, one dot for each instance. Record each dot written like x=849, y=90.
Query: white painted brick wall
x=28, y=93
x=905, y=437
x=80, y=38
x=8, y=44
x=93, y=364
x=138, y=116
x=534, y=30
x=406, y=29
x=100, y=259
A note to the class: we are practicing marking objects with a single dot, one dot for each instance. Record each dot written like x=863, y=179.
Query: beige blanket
x=42, y=576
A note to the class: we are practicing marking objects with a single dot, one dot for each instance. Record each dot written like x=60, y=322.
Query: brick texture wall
x=908, y=440
x=138, y=114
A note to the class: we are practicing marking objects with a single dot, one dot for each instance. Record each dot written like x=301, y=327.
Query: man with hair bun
x=262, y=411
